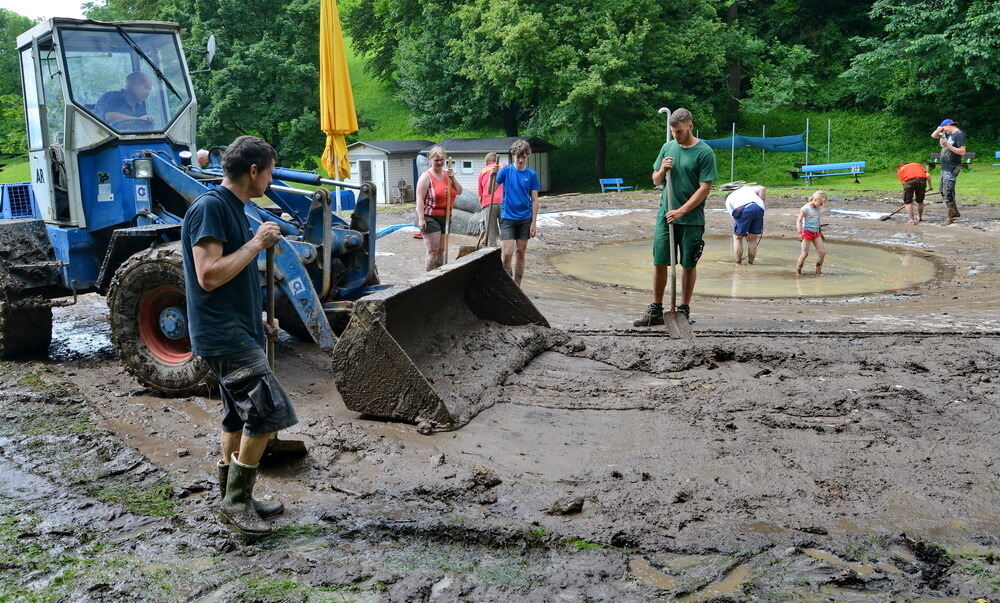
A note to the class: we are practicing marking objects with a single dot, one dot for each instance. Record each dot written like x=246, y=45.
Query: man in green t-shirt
x=691, y=165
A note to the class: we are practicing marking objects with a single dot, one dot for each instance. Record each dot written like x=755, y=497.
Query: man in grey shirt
x=952, y=142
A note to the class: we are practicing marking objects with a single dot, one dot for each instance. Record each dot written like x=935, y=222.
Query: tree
x=12, y=135
x=936, y=58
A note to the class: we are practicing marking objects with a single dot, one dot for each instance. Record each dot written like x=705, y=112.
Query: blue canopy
x=786, y=144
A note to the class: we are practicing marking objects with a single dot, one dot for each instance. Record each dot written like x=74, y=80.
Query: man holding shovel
x=490, y=200
x=689, y=164
x=224, y=306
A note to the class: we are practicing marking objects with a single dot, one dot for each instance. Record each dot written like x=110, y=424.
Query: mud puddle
x=849, y=269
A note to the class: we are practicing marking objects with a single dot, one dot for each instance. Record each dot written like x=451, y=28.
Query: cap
x=948, y=122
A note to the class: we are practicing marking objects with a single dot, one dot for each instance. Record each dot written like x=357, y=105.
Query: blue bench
x=998, y=157
x=936, y=161
x=613, y=184
x=820, y=170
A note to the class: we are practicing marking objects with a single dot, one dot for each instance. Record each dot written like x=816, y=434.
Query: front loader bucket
x=437, y=348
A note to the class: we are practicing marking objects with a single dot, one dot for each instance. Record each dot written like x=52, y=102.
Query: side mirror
x=210, y=50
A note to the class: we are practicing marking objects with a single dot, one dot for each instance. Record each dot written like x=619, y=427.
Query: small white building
x=469, y=157
x=390, y=164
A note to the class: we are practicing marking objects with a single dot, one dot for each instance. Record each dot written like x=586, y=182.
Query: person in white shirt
x=746, y=206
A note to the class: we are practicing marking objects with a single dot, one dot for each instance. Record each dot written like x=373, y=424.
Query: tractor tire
x=143, y=286
x=289, y=320
x=24, y=332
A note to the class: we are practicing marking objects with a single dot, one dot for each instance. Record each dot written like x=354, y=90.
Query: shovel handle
x=447, y=205
x=673, y=253
x=271, y=334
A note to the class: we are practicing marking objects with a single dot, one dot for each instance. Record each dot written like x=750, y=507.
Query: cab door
x=45, y=118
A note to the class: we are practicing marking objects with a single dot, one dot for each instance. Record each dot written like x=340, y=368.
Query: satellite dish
x=210, y=49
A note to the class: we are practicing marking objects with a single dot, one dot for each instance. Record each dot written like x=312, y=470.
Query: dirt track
x=797, y=449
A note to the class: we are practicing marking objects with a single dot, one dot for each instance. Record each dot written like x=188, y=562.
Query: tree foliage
x=571, y=70
x=935, y=58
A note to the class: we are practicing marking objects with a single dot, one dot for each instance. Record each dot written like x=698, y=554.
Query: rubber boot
x=237, y=506
x=264, y=508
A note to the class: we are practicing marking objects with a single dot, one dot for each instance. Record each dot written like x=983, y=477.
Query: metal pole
x=763, y=134
x=807, y=141
x=828, y=122
x=732, y=157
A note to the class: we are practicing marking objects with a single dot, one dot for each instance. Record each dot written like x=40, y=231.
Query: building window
x=466, y=166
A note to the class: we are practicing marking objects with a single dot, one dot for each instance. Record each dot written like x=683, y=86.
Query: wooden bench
x=821, y=170
x=613, y=184
x=935, y=160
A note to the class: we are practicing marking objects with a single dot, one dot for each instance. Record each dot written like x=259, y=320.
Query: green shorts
x=689, y=242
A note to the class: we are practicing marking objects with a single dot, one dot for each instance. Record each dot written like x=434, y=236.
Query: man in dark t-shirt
x=224, y=307
x=127, y=105
x=952, y=142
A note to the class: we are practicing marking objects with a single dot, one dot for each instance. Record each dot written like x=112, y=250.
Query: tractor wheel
x=148, y=323
x=288, y=319
x=24, y=331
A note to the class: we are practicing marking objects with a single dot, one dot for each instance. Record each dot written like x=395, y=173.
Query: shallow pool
x=849, y=269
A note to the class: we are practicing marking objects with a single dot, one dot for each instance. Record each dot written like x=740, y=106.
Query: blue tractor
x=111, y=116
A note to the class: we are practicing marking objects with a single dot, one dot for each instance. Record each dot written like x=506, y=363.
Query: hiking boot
x=952, y=214
x=685, y=310
x=652, y=317
x=237, y=507
x=264, y=508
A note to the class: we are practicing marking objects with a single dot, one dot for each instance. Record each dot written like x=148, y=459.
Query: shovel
x=276, y=448
x=887, y=216
x=676, y=323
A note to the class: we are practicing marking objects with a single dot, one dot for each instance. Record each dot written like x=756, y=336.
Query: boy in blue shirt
x=520, y=209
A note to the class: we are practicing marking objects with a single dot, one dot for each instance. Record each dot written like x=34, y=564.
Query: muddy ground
x=798, y=449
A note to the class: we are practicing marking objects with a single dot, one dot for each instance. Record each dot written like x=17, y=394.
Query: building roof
x=497, y=145
x=395, y=146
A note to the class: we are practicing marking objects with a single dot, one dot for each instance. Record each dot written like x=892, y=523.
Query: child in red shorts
x=809, y=230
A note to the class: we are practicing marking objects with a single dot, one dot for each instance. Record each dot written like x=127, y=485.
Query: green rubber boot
x=237, y=506
x=264, y=508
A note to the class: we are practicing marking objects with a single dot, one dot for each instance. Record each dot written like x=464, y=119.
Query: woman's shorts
x=808, y=235
x=433, y=224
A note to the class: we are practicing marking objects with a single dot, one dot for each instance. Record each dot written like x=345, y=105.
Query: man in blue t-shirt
x=224, y=306
x=520, y=209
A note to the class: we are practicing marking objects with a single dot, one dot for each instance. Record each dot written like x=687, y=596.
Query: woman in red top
x=432, y=205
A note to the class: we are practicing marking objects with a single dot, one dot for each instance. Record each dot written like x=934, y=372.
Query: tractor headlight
x=142, y=168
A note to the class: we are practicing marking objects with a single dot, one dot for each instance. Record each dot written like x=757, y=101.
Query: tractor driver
x=224, y=308
x=127, y=104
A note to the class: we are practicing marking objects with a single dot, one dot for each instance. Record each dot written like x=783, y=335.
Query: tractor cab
x=95, y=94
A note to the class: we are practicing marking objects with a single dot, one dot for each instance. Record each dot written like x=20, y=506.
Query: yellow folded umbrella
x=336, y=100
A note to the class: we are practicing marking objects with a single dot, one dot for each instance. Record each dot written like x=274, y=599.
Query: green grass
x=582, y=545
x=15, y=170
x=156, y=501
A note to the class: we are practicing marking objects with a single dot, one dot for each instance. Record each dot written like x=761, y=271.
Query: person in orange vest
x=915, y=184
x=486, y=198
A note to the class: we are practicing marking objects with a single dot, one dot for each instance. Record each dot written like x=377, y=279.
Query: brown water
x=849, y=269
